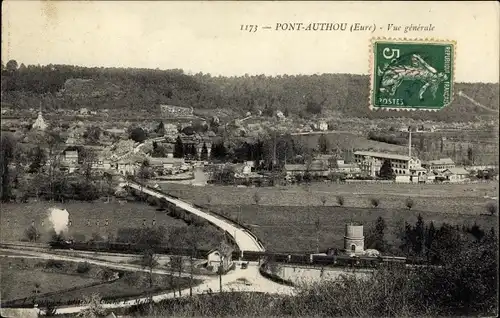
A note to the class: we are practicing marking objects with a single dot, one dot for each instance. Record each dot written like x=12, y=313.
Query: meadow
x=284, y=218
x=293, y=228
x=88, y=220
x=449, y=198
x=19, y=276
x=65, y=284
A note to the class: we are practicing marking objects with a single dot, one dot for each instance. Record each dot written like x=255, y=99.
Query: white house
x=440, y=164
x=322, y=125
x=456, y=174
x=402, y=179
x=347, y=167
x=84, y=111
x=280, y=115
x=215, y=259
x=127, y=167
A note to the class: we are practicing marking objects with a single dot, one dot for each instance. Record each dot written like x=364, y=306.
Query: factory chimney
x=409, y=142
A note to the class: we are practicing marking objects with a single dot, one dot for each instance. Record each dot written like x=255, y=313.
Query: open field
x=129, y=286
x=18, y=281
x=448, y=198
x=292, y=228
x=19, y=277
x=285, y=217
x=18, y=217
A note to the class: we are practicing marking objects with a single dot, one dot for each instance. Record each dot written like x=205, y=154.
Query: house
x=84, y=111
x=402, y=179
x=349, y=168
x=280, y=115
x=127, y=167
x=247, y=169
x=456, y=174
x=166, y=165
x=322, y=125
x=170, y=111
x=102, y=163
x=426, y=127
x=316, y=168
x=170, y=129
x=70, y=156
x=439, y=165
x=215, y=259
x=294, y=169
x=327, y=159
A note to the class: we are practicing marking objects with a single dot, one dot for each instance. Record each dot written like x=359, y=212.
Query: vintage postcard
x=249, y=159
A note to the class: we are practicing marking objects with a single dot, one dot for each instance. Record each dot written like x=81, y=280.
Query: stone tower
x=354, y=240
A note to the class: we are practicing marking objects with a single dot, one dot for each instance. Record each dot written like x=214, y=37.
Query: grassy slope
x=345, y=140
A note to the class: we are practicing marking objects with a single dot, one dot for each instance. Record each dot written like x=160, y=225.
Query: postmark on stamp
x=411, y=74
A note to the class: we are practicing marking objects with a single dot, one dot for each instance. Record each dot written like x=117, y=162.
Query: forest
x=74, y=87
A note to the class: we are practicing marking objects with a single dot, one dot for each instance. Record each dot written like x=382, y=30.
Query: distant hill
x=66, y=86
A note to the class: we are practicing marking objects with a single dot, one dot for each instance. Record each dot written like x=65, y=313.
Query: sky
x=206, y=37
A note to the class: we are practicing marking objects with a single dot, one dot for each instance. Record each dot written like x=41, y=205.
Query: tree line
x=297, y=95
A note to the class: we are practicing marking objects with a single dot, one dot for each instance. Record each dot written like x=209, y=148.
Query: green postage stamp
x=411, y=74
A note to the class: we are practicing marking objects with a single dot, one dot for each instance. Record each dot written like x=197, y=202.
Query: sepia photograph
x=249, y=159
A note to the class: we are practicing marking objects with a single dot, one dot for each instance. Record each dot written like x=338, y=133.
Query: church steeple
x=40, y=122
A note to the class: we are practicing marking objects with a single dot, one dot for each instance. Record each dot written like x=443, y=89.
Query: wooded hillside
x=71, y=87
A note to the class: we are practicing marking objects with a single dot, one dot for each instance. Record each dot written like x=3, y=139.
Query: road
x=231, y=282
x=245, y=240
x=238, y=280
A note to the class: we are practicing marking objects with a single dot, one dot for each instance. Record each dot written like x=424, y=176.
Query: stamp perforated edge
x=371, y=61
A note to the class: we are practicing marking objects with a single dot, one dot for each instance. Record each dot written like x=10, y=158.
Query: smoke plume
x=59, y=219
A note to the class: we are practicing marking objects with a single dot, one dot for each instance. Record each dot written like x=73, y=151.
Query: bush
x=83, y=268
x=153, y=201
x=107, y=274
x=340, y=200
x=54, y=264
x=409, y=203
x=492, y=208
x=374, y=202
